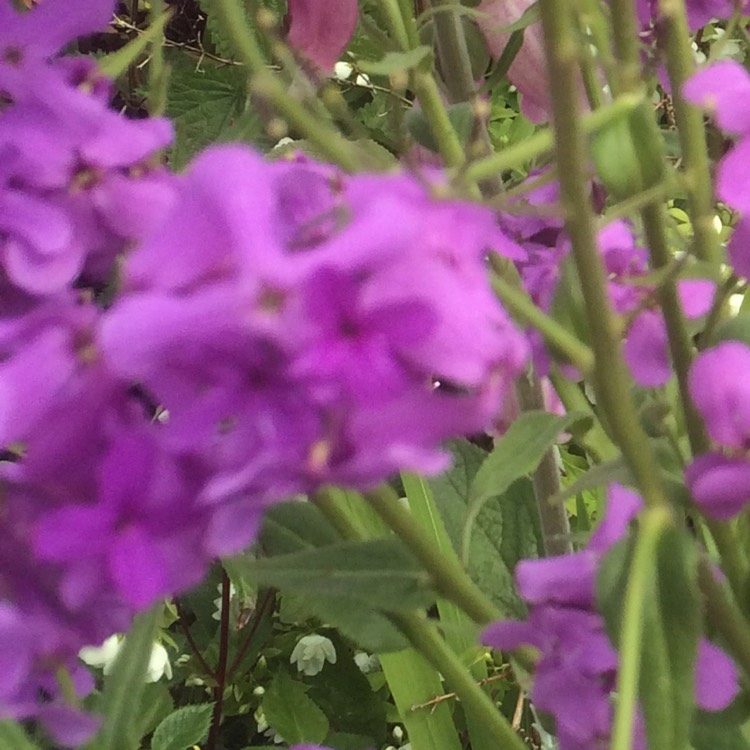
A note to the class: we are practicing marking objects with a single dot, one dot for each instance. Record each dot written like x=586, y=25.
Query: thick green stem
x=453, y=53
x=557, y=336
x=653, y=523
x=692, y=134
x=427, y=641
x=611, y=377
x=262, y=82
x=451, y=580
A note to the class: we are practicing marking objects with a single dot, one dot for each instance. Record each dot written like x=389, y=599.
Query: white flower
x=342, y=70
x=366, y=662
x=311, y=653
x=103, y=657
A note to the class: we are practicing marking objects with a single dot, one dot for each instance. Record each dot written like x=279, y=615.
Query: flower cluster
x=577, y=670
x=178, y=352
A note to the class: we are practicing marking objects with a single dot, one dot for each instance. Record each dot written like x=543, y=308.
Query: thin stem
x=557, y=336
x=653, y=523
x=424, y=637
x=257, y=618
x=596, y=441
x=680, y=343
x=265, y=84
x=724, y=615
x=611, y=377
x=157, y=70
x=543, y=140
x=546, y=479
x=191, y=641
x=221, y=668
x=692, y=134
x=449, y=577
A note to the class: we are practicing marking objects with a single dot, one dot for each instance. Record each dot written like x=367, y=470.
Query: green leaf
x=461, y=116
x=294, y=526
x=397, y=62
x=156, y=704
x=291, y=713
x=599, y=475
x=344, y=694
x=186, y=727
x=345, y=741
x=507, y=527
x=515, y=455
x=13, y=737
x=413, y=682
x=121, y=697
x=204, y=102
x=115, y=64
x=723, y=730
x=672, y=627
x=380, y=574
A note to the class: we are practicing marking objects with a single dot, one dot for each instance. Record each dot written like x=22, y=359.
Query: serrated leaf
x=291, y=713
x=186, y=727
x=13, y=737
x=380, y=574
x=156, y=704
x=507, y=527
x=205, y=102
x=515, y=455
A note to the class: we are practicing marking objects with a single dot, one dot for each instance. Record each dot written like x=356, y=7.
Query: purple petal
x=739, y=247
x=716, y=678
x=719, y=485
x=567, y=579
x=646, y=350
x=732, y=185
x=696, y=296
x=137, y=568
x=720, y=389
x=321, y=30
x=722, y=88
x=67, y=726
x=623, y=505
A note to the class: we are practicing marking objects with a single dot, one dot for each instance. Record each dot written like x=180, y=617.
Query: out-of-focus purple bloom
x=720, y=389
x=577, y=670
x=323, y=349
x=320, y=29
x=699, y=12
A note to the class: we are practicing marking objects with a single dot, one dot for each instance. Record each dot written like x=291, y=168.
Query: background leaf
x=291, y=713
x=186, y=727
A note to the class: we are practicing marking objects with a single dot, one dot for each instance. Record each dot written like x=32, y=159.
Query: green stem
x=596, y=441
x=611, y=377
x=546, y=479
x=451, y=580
x=455, y=63
x=265, y=84
x=626, y=33
x=157, y=70
x=724, y=615
x=426, y=640
x=680, y=343
x=653, y=523
x=691, y=132
x=557, y=336
x=543, y=140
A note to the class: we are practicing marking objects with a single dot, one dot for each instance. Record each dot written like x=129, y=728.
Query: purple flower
x=720, y=390
x=577, y=669
x=320, y=29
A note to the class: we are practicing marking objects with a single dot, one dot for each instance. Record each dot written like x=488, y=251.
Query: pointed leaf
x=115, y=64
x=186, y=727
x=291, y=713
